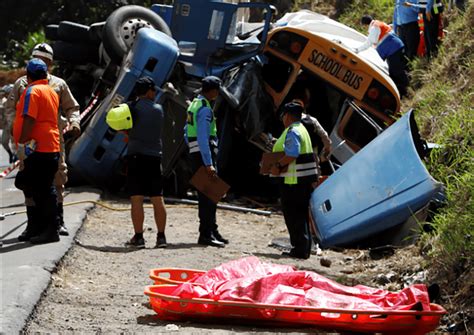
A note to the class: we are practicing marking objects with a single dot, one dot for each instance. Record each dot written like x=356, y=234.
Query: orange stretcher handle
x=173, y=275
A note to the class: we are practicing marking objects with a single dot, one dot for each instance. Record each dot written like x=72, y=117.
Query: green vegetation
x=378, y=9
x=444, y=101
x=443, y=97
x=23, y=50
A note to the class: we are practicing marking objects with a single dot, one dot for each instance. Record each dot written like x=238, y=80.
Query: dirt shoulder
x=98, y=287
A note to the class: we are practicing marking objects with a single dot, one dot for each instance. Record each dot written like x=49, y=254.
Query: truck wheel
x=51, y=32
x=122, y=25
x=76, y=53
x=73, y=32
x=95, y=32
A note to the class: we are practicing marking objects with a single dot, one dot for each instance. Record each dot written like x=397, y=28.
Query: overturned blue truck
x=377, y=180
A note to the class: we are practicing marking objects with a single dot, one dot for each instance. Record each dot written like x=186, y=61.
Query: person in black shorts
x=144, y=162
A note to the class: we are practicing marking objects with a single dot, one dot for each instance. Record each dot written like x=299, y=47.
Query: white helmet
x=43, y=50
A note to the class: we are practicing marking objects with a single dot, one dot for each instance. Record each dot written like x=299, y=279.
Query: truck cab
x=98, y=155
x=214, y=36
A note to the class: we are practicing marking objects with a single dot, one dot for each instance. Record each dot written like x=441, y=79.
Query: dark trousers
x=397, y=70
x=206, y=207
x=431, y=34
x=295, y=204
x=409, y=33
x=36, y=181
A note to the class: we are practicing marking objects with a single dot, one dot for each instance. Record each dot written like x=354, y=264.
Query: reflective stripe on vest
x=303, y=168
x=384, y=28
x=194, y=146
x=193, y=109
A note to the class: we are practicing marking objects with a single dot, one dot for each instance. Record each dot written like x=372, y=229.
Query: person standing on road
x=296, y=182
x=144, y=176
x=389, y=47
x=36, y=135
x=68, y=116
x=201, y=136
x=405, y=25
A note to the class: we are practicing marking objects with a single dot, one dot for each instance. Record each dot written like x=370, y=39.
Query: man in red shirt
x=36, y=133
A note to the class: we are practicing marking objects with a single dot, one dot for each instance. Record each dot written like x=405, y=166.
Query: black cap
x=294, y=108
x=144, y=84
x=210, y=82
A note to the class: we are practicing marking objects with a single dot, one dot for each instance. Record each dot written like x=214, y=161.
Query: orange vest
x=384, y=29
x=40, y=102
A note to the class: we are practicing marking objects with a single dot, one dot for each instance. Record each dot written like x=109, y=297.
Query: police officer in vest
x=201, y=136
x=296, y=182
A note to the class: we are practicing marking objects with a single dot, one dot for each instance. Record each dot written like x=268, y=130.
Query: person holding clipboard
x=201, y=137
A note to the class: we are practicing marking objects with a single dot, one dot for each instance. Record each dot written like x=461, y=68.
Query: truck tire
x=73, y=32
x=75, y=53
x=51, y=32
x=122, y=25
x=95, y=32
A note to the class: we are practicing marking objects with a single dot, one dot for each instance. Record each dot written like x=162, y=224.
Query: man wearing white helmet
x=69, y=116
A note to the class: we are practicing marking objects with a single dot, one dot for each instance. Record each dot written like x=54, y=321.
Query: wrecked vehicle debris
x=259, y=72
x=379, y=188
x=261, y=65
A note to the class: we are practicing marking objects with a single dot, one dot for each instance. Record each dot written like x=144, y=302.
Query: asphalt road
x=26, y=268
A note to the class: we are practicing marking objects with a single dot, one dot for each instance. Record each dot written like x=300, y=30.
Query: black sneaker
x=63, y=230
x=161, y=242
x=135, y=242
x=219, y=237
x=211, y=241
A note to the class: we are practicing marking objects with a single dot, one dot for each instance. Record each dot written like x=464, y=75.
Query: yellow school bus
x=352, y=95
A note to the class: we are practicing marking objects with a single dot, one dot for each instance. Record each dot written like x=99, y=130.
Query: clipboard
x=213, y=188
x=268, y=160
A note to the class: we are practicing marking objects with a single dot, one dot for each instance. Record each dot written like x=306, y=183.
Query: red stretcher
x=168, y=306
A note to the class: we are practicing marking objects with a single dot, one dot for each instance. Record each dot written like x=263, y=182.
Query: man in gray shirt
x=144, y=176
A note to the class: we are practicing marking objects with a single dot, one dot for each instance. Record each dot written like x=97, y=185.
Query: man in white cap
x=69, y=116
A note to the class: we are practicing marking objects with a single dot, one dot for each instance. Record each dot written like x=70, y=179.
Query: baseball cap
x=211, y=82
x=36, y=66
x=43, y=50
x=294, y=108
x=145, y=83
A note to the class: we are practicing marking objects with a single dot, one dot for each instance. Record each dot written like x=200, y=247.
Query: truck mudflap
x=378, y=188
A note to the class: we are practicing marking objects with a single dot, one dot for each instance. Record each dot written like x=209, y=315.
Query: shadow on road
x=13, y=245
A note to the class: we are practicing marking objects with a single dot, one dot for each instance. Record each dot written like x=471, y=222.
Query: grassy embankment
x=443, y=97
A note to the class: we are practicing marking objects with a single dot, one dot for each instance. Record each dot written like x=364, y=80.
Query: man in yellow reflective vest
x=201, y=136
x=296, y=182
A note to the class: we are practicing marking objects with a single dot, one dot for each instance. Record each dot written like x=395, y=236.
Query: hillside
x=442, y=95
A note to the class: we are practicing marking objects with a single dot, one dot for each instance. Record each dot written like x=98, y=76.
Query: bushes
x=446, y=116
x=379, y=9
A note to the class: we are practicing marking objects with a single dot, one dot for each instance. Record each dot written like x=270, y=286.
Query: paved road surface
x=26, y=268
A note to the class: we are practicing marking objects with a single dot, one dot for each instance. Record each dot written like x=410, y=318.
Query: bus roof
x=311, y=23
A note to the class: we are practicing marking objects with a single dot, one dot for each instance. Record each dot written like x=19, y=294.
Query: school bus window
x=358, y=130
x=276, y=72
x=288, y=43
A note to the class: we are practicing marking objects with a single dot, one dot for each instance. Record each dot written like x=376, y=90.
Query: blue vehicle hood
x=378, y=188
